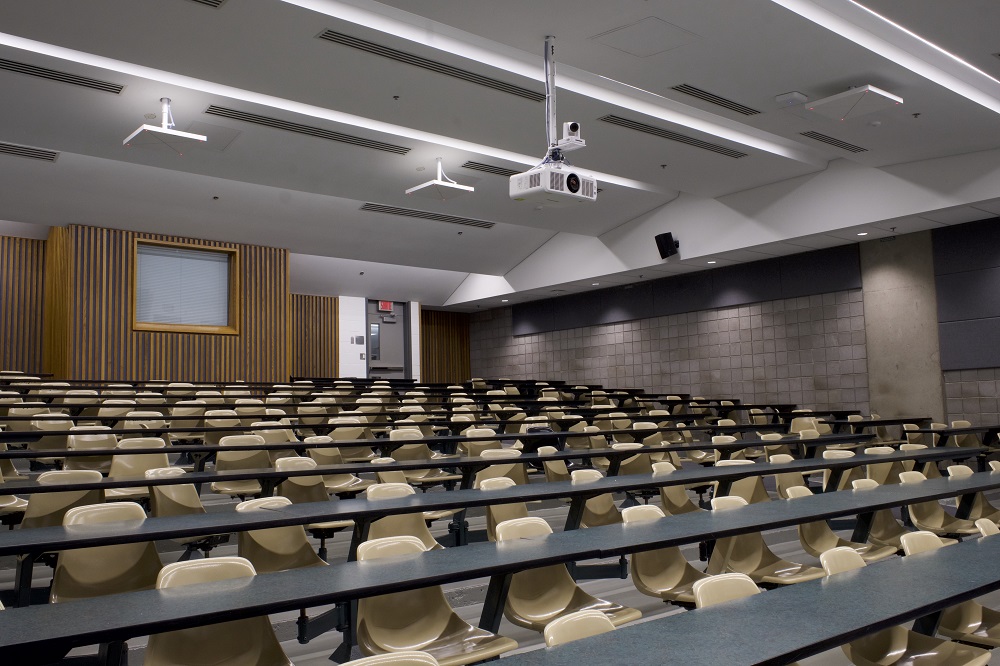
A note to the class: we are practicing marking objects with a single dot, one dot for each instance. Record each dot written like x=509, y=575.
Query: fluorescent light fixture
x=165, y=134
x=313, y=111
x=869, y=29
x=504, y=300
x=595, y=284
x=862, y=233
x=710, y=262
x=441, y=188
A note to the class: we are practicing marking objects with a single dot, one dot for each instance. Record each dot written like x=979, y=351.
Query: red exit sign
x=385, y=306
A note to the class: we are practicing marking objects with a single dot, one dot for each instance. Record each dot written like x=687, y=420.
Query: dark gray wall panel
x=967, y=247
x=745, y=283
x=681, y=293
x=820, y=272
x=633, y=301
x=968, y=295
x=534, y=317
x=576, y=310
x=970, y=344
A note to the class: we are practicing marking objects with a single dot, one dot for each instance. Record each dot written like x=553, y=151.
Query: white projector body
x=553, y=184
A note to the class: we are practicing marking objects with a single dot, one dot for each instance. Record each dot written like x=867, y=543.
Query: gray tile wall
x=972, y=395
x=810, y=351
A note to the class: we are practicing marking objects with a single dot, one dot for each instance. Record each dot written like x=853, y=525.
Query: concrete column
x=901, y=328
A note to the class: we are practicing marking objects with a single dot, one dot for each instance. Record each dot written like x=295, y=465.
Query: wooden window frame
x=235, y=294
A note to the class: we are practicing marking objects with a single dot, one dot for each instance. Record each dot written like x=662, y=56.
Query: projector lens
x=573, y=183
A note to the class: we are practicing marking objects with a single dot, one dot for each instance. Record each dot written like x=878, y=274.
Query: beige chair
x=180, y=499
x=817, y=537
x=498, y=513
x=128, y=465
x=473, y=449
x=274, y=434
x=276, y=548
x=898, y=645
x=778, y=444
x=721, y=588
x=885, y=529
x=849, y=476
x=981, y=507
x=600, y=510
x=674, y=499
x=748, y=554
x=987, y=527
x=572, y=627
x=249, y=410
x=195, y=411
x=302, y=489
x=46, y=422
x=220, y=418
x=419, y=619
x=750, y=488
x=12, y=508
x=539, y=596
x=502, y=467
x=405, y=658
x=397, y=476
x=420, y=451
x=930, y=516
x=349, y=429
x=783, y=481
x=248, y=641
x=662, y=573
x=48, y=509
x=967, y=439
x=90, y=437
x=228, y=461
x=401, y=524
x=883, y=473
x=555, y=470
x=82, y=573
x=344, y=484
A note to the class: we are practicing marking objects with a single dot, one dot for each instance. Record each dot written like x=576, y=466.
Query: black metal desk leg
x=965, y=505
x=496, y=597
x=575, y=515
x=22, y=579
x=928, y=624
x=114, y=653
x=863, y=527
x=834, y=482
x=358, y=537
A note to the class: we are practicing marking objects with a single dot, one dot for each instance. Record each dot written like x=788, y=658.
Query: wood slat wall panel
x=444, y=346
x=313, y=335
x=22, y=288
x=102, y=344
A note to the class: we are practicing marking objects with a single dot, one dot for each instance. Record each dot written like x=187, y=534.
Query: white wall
x=351, y=318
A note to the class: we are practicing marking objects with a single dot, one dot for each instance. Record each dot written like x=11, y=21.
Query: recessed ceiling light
x=862, y=233
x=595, y=284
x=504, y=300
x=712, y=262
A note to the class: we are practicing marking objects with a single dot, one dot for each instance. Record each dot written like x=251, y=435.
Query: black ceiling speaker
x=666, y=244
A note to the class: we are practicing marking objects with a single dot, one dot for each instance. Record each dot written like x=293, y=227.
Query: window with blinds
x=179, y=288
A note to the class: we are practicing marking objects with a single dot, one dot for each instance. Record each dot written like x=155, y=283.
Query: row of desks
x=949, y=576
x=363, y=512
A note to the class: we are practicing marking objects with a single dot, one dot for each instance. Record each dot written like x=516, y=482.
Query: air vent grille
x=432, y=65
x=490, y=168
x=61, y=77
x=715, y=99
x=210, y=3
x=837, y=143
x=308, y=130
x=673, y=136
x=27, y=151
x=424, y=215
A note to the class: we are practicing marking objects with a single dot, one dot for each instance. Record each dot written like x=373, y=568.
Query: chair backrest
x=502, y=467
x=750, y=488
x=600, y=510
x=179, y=499
x=987, y=527
x=251, y=641
x=723, y=587
x=841, y=559
x=498, y=513
x=674, y=499
x=233, y=460
x=574, y=626
x=476, y=448
x=401, y=658
x=301, y=489
x=402, y=524
x=90, y=437
x=126, y=465
x=82, y=573
x=48, y=509
x=276, y=548
x=920, y=542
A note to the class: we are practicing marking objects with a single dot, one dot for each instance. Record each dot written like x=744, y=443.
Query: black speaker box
x=666, y=244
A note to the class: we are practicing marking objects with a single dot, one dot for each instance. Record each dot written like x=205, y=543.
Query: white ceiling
x=303, y=193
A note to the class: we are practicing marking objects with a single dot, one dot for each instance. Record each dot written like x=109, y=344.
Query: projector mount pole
x=167, y=121
x=553, y=154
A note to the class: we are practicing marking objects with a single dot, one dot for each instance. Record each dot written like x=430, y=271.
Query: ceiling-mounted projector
x=855, y=102
x=441, y=188
x=165, y=134
x=554, y=182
